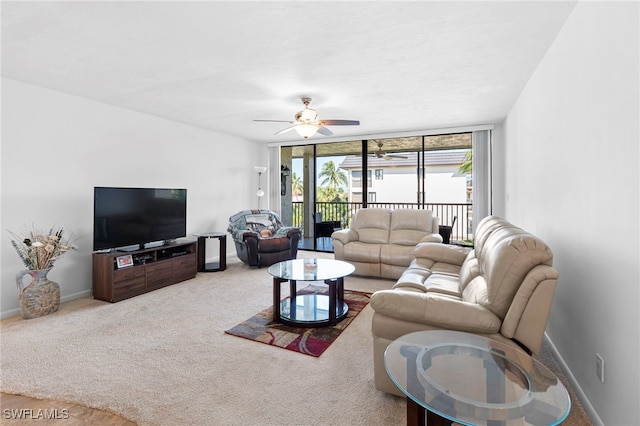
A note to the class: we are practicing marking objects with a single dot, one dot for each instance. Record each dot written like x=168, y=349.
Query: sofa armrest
x=431, y=238
x=436, y=252
x=345, y=236
x=243, y=235
x=526, y=319
x=436, y=310
x=248, y=241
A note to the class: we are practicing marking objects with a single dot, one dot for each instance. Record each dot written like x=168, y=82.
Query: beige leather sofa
x=380, y=242
x=502, y=289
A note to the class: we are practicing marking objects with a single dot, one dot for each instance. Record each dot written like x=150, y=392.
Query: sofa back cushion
x=486, y=228
x=409, y=226
x=485, y=238
x=501, y=266
x=372, y=225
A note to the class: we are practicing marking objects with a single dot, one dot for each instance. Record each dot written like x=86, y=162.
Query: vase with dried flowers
x=39, y=251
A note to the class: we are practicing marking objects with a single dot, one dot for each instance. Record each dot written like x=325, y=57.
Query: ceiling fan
x=307, y=123
x=380, y=154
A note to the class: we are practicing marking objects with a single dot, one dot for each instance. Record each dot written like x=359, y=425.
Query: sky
x=298, y=164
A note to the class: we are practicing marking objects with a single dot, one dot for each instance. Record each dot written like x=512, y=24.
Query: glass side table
x=310, y=310
x=472, y=380
x=221, y=265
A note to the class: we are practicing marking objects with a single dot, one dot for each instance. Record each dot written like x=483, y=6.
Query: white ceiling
x=395, y=66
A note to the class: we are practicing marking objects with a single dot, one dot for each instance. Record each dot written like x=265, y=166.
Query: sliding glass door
x=329, y=182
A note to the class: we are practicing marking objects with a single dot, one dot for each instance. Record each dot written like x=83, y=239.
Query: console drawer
x=128, y=273
x=159, y=273
x=130, y=285
x=184, y=267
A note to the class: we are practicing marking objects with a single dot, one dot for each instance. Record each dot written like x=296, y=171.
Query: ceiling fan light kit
x=307, y=124
x=306, y=130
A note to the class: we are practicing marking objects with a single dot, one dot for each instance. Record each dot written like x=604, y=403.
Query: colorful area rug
x=309, y=341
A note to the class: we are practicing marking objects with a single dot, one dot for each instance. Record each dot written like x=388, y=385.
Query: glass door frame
x=310, y=199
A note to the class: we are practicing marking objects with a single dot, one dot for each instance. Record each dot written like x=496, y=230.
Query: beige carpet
x=163, y=359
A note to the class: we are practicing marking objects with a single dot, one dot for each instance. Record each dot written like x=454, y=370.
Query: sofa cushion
x=362, y=252
x=372, y=225
x=504, y=267
x=435, y=309
x=469, y=270
x=409, y=226
x=442, y=253
x=413, y=278
x=443, y=283
x=486, y=227
x=392, y=254
x=420, y=279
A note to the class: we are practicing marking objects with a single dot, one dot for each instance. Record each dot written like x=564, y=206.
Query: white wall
x=444, y=184
x=57, y=147
x=570, y=159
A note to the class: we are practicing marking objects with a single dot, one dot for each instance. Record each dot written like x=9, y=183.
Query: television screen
x=125, y=217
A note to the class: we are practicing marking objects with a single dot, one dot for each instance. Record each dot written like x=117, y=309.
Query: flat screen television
x=129, y=218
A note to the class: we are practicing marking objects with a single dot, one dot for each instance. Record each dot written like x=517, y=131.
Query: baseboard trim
x=574, y=383
x=16, y=311
x=10, y=313
x=83, y=293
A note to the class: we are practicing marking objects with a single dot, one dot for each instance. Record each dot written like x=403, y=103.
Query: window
x=430, y=171
x=356, y=178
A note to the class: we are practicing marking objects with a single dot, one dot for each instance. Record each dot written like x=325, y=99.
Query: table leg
x=435, y=420
x=223, y=252
x=340, y=292
x=292, y=289
x=276, y=298
x=415, y=414
x=332, y=301
x=496, y=392
x=201, y=253
x=293, y=307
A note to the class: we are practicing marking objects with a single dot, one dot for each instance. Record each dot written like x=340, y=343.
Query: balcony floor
x=323, y=244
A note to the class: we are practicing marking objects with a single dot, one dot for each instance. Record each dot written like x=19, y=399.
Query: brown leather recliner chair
x=261, y=239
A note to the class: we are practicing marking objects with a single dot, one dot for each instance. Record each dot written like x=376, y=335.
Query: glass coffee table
x=310, y=310
x=472, y=380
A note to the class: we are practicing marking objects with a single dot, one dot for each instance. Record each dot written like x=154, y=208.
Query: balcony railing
x=343, y=212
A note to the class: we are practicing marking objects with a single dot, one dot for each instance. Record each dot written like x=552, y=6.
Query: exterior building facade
x=395, y=179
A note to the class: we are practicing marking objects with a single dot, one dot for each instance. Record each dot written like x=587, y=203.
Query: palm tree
x=334, y=178
x=467, y=165
x=297, y=186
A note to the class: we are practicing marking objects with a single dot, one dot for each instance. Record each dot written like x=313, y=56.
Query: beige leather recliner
x=380, y=242
x=502, y=289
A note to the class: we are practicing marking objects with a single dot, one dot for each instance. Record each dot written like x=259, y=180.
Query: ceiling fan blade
x=277, y=121
x=324, y=131
x=391, y=156
x=288, y=129
x=339, y=122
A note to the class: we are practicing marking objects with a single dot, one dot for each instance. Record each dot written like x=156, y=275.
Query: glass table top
x=311, y=269
x=473, y=380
